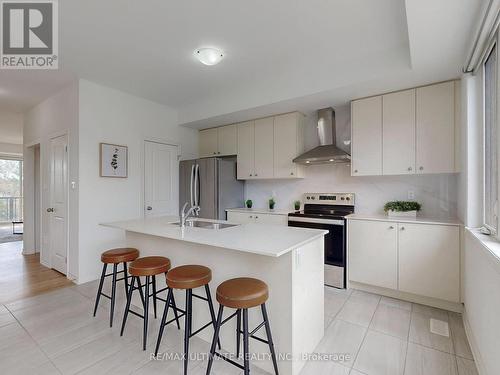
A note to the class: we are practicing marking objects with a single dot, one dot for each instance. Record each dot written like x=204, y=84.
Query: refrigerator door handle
x=191, y=183
x=197, y=185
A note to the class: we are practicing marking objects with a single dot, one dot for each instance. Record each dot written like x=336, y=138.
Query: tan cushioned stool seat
x=242, y=293
x=149, y=266
x=125, y=254
x=188, y=277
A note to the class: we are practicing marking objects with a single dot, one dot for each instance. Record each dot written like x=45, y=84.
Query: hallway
x=23, y=276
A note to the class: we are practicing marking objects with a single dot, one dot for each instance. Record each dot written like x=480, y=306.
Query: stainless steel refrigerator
x=211, y=184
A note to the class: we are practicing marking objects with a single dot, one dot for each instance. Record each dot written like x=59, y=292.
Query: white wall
x=437, y=193
x=482, y=303
x=11, y=149
x=11, y=127
x=108, y=115
x=54, y=116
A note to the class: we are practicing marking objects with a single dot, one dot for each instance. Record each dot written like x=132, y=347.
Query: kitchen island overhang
x=290, y=260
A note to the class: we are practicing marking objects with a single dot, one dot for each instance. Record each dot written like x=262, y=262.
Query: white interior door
x=161, y=188
x=58, y=210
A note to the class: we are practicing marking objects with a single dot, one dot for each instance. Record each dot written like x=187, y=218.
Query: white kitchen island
x=290, y=260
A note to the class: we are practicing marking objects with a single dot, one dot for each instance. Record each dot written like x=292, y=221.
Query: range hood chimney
x=327, y=152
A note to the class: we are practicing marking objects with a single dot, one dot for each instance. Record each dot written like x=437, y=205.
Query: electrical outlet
x=411, y=194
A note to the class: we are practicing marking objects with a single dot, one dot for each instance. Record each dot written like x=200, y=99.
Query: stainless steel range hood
x=327, y=152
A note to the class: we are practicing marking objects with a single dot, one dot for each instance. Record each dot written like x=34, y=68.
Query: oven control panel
x=329, y=198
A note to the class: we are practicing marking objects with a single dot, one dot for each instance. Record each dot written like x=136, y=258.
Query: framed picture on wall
x=113, y=160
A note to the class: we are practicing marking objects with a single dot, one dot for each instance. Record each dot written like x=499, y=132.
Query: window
x=490, y=142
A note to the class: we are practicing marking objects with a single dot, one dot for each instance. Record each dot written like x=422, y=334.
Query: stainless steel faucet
x=184, y=215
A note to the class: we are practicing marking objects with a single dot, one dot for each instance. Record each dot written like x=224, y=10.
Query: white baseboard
x=441, y=304
x=473, y=345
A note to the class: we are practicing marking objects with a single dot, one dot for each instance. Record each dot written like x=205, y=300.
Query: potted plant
x=296, y=205
x=272, y=202
x=248, y=203
x=402, y=208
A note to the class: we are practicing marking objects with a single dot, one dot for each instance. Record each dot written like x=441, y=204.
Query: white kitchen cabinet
x=398, y=129
x=288, y=144
x=264, y=148
x=243, y=217
x=435, y=132
x=429, y=260
x=246, y=150
x=221, y=141
x=208, y=142
x=373, y=253
x=366, y=119
x=227, y=140
x=418, y=258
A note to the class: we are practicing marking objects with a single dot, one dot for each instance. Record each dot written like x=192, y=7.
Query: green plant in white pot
x=402, y=208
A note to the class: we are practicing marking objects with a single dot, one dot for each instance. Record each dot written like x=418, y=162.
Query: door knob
x=149, y=208
x=50, y=209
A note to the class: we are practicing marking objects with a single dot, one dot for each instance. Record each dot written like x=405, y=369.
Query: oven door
x=335, y=249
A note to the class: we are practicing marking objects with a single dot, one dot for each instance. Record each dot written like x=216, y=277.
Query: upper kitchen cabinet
x=366, y=119
x=227, y=140
x=264, y=148
x=398, y=129
x=208, y=142
x=288, y=144
x=435, y=140
x=220, y=141
x=406, y=132
x=267, y=147
x=246, y=150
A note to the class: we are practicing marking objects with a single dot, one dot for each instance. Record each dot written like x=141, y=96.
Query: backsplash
x=437, y=193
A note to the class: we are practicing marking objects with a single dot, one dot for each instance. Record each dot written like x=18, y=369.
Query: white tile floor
x=55, y=333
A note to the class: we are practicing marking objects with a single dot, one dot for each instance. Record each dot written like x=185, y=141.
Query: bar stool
x=114, y=257
x=187, y=278
x=147, y=267
x=241, y=294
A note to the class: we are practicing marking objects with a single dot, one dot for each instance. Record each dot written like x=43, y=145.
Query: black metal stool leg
x=215, y=339
x=154, y=294
x=99, y=291
x=113, y=294
x=127, y=307
x=175, y=311
x=238, y=332
x=269, y=337
x=211, y=307
x=125, y=274
x=246, y=348
x=146, y=313
x=139, y=285
x=187, y=327
x=163, y=320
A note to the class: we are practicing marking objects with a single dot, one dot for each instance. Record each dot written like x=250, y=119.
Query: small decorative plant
x=296, y=205
x=402, y=208
x=272, y=202
x=249, y=203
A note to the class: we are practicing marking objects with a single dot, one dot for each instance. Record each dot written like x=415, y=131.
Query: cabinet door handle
x=355, y=171
x=391, y=227
x=410, y=168
x=402, y=228
x=251, y=217
x=421, y=168
x=291, y=173
x=251, y=175
x=256, y=217
x=256, y=175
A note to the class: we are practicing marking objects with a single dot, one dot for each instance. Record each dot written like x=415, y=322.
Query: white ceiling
x=279, y=54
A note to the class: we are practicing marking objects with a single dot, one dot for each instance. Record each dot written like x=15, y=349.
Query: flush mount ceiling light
x=209, y=56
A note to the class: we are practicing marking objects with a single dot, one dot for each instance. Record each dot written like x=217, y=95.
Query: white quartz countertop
x=416, y=220
x=259, y=211
x=261, y=239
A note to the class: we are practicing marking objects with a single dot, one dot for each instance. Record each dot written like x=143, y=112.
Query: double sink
x=205, y=224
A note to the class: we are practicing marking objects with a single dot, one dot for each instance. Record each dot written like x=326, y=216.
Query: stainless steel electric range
x=328, y=211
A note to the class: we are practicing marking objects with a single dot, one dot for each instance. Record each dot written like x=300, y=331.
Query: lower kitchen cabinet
x=429, y=260
x=373, y=255
x=422, y=259
x=243, y=217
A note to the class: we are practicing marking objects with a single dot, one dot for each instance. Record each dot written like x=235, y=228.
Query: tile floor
x=55, y=333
